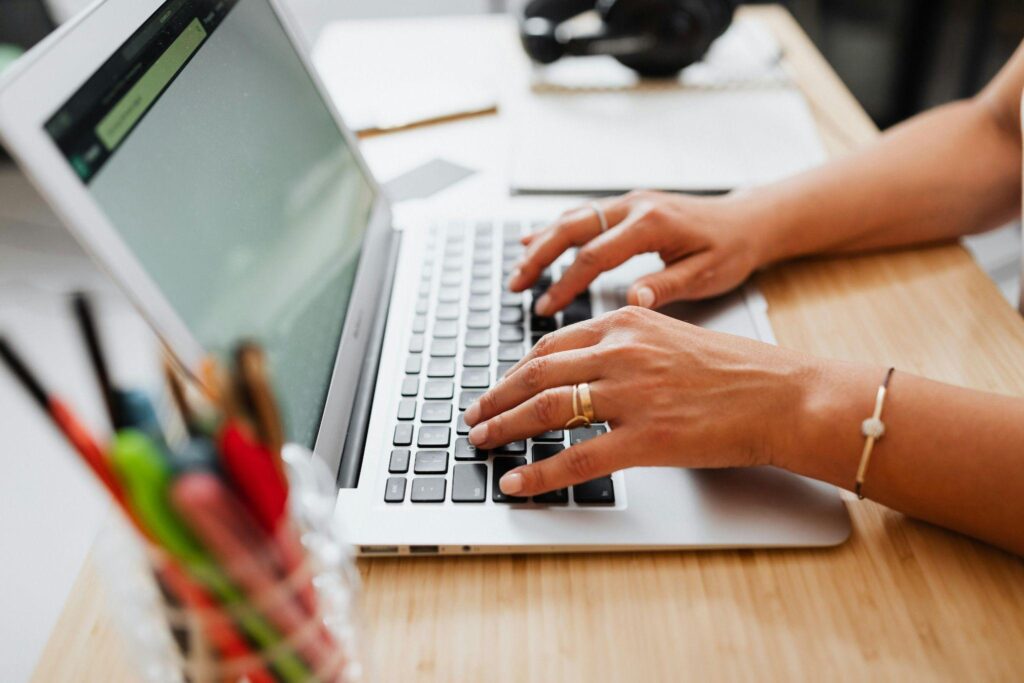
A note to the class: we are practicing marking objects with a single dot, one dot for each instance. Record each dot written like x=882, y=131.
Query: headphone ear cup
x=683, y=31
x=539, y=23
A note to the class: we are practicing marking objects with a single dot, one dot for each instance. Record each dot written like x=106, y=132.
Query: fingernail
x=645, y=297
x=516, y=274
x=511, y=483
x=473, y=414
x=478, y=434
x=543, y=304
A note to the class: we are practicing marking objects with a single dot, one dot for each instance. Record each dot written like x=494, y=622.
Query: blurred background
x=897, y=56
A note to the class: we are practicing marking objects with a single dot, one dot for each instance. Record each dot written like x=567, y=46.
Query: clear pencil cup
x=265, y=608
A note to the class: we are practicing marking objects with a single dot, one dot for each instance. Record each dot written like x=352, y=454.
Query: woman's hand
x=709, y=246
x=673, y=394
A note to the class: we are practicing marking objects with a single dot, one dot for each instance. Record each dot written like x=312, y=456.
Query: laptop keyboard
x=468, y=330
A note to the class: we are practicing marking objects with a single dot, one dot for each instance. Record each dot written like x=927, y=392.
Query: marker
x=251, y=469
x=146, y=477
x=254, y=386
x=62, y=416
x=248, y=556
x=87, y=325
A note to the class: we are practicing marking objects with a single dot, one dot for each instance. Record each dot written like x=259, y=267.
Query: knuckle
x=580, y=462
x=543, y=346
x=588, y=258
x=535, y=478
x=488, y=404
x=534, y=373
x=496, y=429
x=546, y=407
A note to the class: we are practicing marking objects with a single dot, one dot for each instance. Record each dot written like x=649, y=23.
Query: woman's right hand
x=709, y=245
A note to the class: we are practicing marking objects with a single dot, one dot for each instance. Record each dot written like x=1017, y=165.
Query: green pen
x=145, y=474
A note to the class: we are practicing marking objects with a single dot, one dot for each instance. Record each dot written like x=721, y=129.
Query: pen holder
x=280, y=609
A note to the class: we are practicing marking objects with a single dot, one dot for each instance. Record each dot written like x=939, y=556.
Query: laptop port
x=379, y=549
x=423, y=549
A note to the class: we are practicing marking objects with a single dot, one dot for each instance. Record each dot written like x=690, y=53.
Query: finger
x=547, y=410
x=578, y=336
x=573, y=229
x=549, y=372
x=678, y=281
x=586, y=460
x=599, y=255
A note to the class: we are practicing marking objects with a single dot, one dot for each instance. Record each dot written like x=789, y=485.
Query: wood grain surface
x=901, y=600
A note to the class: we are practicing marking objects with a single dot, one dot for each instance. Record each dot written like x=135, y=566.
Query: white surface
x=385, y=76
x=49, y=506
x=731, y=122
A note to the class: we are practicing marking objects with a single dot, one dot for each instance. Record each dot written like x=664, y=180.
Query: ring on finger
x=582, y=407
x=601, y=216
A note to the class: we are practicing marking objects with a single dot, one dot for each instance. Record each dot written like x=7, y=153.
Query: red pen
x=255, y=477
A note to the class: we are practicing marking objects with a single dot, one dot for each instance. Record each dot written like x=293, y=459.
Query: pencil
x=87, y=324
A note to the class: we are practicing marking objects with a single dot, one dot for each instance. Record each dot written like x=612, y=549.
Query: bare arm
x=949, y=172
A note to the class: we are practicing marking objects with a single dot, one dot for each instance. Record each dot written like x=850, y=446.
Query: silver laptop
x=190, y=147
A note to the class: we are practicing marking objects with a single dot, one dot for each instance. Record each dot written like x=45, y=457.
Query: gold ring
x=582, y=407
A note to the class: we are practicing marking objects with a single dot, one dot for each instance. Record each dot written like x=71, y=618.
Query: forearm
x=950, y=172
x=951, y=456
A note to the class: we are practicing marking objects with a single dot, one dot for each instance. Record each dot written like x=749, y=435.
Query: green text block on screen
x=126, y=113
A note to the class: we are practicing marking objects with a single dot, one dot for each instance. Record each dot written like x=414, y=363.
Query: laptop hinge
x=359, y=422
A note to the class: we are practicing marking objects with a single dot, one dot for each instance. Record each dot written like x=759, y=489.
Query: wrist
x=765, y=222
x=827, y=439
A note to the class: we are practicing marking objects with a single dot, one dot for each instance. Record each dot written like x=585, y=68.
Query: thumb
x=677, y=281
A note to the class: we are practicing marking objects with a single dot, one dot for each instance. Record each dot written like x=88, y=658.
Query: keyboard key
x=514, y=448
x=433, y=437
x=481, y=270
x=431, y=462
x=595, y=492
x=511, y=315
x=469, y=483
x=543, y=451
x=576, y=312
x=407, y=409
x=510, y=333
x=501, y=467
x=475, y=379
x=556, y=435
x=510, y=353
x=464, y=450
x=461, y=428
x=436, y=411
x=439, y=390
x=476, y=358
x=428, y=489
x=468, y=398
x=446, y=329
x=480, y=286
x=410, y=386
x=478, y=321
x=403, y=435
x=419, y=324
x=585, y=433
x=424, y=289
x=449, y=295
x=478, y=339
x=511, y=299
x=443, y=348
x=413, y=364
x=480, y=302
x=399, y=461
x=449, y=279
x=540, y=323
x=441, y=367
x=416, y=343
x=503, y=369
x=559, y=497
x=447, y=312
x=395, y=491
x=422, y=305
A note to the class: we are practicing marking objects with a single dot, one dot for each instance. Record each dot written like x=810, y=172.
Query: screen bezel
x=38, y=85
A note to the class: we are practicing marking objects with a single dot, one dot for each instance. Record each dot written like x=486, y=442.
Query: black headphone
x=655, y=38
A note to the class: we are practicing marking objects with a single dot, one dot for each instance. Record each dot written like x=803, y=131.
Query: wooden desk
x=900, y=601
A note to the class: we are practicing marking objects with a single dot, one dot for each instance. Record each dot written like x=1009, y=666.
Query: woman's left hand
x=673, y=394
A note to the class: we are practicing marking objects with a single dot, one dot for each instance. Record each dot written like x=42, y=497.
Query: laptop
x=190, y=147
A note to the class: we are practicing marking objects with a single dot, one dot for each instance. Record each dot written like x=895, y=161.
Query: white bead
x=872, y=428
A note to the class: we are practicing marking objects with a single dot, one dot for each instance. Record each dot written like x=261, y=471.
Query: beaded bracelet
x=873, y=429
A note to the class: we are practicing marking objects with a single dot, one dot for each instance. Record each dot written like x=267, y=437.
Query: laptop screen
x=212, y=153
